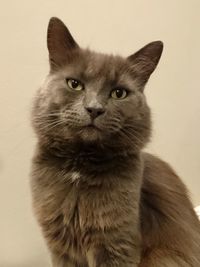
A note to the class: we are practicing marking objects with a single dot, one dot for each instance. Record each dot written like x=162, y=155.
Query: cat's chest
x=86, y=208
x=91, y=207
x=73, y=216
x=76, y=215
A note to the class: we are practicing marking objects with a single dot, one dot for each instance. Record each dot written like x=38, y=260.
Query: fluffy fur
x=99, y=199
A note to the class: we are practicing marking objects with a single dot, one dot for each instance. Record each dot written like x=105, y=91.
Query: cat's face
x=94, y=97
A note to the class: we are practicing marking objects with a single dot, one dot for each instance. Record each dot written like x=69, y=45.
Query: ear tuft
x=60, y=42
x=145, y=60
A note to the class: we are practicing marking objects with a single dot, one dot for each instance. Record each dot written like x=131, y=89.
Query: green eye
x=119, y=93
x=74, y=84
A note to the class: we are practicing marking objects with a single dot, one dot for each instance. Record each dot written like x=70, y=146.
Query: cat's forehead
x=90, y=65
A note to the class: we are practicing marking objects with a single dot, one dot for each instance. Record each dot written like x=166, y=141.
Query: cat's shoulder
x=168, y=220
x=159, y=172
x=163, y=194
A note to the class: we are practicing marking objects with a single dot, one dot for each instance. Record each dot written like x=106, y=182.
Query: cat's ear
x=60, y=43
x=144, y=61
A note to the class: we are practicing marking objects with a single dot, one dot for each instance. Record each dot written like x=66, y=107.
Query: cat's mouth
x=90, y=132
x=91, y=128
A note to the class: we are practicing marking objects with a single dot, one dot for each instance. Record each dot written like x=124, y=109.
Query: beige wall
x=109, y=26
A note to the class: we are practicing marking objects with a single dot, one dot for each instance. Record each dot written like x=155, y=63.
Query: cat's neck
x=90, y=157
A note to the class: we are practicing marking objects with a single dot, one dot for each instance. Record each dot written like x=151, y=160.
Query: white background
x=107, y=26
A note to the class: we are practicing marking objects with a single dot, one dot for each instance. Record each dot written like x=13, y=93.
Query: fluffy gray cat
x=99, y=199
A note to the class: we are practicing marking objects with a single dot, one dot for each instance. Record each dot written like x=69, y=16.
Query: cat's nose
x=95, y=111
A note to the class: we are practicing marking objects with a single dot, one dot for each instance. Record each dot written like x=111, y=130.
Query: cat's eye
x=119, y=93
x=74, y=84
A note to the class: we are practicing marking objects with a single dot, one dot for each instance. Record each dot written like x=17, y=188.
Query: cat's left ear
x=60, y=43
x=144, y=61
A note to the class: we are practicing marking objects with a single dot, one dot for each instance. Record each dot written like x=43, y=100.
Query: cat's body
x=100, y=200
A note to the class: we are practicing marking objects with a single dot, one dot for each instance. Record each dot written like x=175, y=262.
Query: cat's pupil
x=119, y=93
x=74, y=83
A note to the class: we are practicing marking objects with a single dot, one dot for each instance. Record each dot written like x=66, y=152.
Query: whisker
x=51, y=125
x=55, y=125
x=48, y=115
x=131, y=138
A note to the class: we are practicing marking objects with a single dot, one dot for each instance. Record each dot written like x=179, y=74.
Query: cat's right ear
x=60, y=43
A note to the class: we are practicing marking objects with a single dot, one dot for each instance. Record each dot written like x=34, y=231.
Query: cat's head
x=94, y=97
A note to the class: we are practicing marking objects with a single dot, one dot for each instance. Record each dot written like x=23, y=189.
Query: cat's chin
x=91, y=134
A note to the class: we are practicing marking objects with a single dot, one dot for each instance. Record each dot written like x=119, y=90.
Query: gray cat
x=100, y=200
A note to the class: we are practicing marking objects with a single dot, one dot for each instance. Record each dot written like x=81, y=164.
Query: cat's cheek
x=59, y=97
x=41, y=102
x=127, y=109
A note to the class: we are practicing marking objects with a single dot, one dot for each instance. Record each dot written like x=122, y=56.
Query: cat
x=100, y=200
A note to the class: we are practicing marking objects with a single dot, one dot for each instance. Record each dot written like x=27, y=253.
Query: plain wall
x=107, y=26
